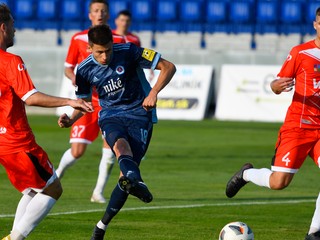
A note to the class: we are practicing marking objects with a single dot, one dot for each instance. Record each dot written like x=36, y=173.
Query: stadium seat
x=311, y=7
x=71, y=14
x=47, y=14
x=216, y=16
x=267, y=13
x=291, y=16
x=167, y=16
x=116, y=6
x=166, y=10
x=142, y=15
x=241, y=15
x=24, y=13
x=191, y=10
x=191, y=15
x=216, y=11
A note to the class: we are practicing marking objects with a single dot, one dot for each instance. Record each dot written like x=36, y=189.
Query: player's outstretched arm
x=167, y=70
x=282, y=85
x=43, y=100
x=65, y=121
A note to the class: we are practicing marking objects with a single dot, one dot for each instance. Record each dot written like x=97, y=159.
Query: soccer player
x=299, y=135
x=86, y=130
x=128, y=109
x=26, y=163
x=123, y=23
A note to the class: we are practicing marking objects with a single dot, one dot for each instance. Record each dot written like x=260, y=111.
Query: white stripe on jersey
x=117, y=47
x=84, y=62
x=314, y=53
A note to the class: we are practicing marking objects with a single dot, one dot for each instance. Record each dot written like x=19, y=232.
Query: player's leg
x=117, y=200
x=30, y=172
x=291, y=151
x=314, y=230
x=70, y=157
x=37, y=209
x=117, y=137
x=105, y=168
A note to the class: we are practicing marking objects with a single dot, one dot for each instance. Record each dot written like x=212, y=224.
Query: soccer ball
x=236, y=231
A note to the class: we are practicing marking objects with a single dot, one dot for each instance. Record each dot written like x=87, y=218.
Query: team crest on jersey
x=21, y=67
x=148, y=54
x=120, y=70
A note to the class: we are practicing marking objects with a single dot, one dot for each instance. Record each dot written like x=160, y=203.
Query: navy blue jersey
x=121, y=85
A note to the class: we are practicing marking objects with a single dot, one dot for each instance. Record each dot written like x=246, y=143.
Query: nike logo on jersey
x=113, y=85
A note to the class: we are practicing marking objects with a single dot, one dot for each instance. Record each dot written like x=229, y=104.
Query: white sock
x=37, y=209
x=105, y=168
x=21, y=209
x=101, y=225
x=315, y=224
x=15, y=235
x=66, y=161
x=260, y=177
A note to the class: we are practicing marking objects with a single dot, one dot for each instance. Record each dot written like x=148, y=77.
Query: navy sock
x=129, y=168
x=117, y=200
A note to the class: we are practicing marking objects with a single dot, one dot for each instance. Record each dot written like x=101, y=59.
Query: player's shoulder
x=81, y=34
x=131, y=34
x=86, y=63
x=122, y=47
x=10, y=58
x=305, y=46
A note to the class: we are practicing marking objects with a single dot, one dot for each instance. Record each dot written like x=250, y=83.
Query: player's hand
x=81, y=105
x=64, y=121
x=282, y=85
x=150, y=101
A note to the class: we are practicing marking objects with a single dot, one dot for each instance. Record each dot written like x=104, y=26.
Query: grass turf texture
x=187, y=167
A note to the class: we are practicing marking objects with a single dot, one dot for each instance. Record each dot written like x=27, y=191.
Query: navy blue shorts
x=136, y=131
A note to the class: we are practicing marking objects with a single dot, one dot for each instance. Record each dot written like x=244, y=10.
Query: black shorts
x=136, y=131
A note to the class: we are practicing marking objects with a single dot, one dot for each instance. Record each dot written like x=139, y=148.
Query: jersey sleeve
x=20, y=80
x=83, y=87
x=73, y=53
x=289, y=67
x=146, y=58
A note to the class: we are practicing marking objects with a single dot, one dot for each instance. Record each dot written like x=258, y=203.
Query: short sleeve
x=19, y=78
x=289, y=67
x=83, y=87
x=73, y=53
x=146, y=58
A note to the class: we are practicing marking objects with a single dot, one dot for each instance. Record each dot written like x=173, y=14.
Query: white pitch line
x=181, y=206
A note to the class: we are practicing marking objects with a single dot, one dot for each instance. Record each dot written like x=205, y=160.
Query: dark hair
x=125, y=13
x=318, y=11
x=5, y=13
x=100, y=35
x=98, y=1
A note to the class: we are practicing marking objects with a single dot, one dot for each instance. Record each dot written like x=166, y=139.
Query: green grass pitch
x=186, y=168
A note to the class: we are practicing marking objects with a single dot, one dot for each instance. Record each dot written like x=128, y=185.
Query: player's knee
x=54, y=190
x=280, y=182
x=122, y=147
x=77, y=152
